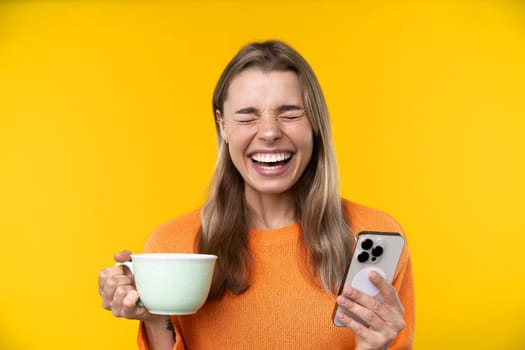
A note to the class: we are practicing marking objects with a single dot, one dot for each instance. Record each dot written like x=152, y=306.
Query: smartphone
x=373, y=251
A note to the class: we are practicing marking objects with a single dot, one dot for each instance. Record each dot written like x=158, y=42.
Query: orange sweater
x=282, y=309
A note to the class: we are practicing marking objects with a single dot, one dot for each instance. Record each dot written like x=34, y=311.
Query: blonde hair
x=326, y=238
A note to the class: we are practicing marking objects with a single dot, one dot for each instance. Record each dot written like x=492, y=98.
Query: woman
x=275, y=219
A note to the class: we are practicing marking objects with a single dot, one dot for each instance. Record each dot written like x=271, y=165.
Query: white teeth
x=271, y=157
x=270, y=167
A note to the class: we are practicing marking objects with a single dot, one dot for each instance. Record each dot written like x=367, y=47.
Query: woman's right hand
x=116, y=286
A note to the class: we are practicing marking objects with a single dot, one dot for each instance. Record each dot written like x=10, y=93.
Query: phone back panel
x=374, y=251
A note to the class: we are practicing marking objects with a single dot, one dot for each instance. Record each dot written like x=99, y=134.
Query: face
x=268, y=133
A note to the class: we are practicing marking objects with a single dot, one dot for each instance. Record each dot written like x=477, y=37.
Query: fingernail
x=341, y=300
x=352, y=292
x=374, y=276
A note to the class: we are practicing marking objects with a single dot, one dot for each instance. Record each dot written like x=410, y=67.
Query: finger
x=107, y=274
x=355, y=295
x=126, y=304
x=388, y=291
x=391, y=310
x=122, y=256
x=390, y=317
x=131, y=307
x=374, y=332
x=117, y=302
x=359, y=329
x=116, y=281
x=363, y=312
x=110, y=288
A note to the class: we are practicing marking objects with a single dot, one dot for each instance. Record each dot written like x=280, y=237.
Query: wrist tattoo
x=169, y=326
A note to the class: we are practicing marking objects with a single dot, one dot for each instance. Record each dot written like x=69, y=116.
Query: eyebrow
x=247, y=110
x=280, y=109
x=288, y=108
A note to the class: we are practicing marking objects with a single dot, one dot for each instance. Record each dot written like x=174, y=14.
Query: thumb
x=122, y=256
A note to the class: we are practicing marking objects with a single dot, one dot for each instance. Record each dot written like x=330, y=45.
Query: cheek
x=238, y=142
x=304, y=140
x=307, y=145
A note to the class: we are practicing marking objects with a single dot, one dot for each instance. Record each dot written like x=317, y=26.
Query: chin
x=272, y=190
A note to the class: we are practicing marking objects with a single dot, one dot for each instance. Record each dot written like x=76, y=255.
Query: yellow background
x=106, y=131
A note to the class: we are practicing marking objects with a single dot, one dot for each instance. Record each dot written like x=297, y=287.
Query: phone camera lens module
x=367, y=244
x=377, y=251
x=363, y=257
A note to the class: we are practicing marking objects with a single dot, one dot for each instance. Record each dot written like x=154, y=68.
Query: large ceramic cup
x=172, y=284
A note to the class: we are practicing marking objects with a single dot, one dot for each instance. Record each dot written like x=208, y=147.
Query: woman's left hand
x=384, y=319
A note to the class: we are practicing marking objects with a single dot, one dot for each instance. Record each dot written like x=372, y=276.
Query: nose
x=269, y=128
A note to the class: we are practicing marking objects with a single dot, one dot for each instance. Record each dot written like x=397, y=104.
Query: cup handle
x=129, y=265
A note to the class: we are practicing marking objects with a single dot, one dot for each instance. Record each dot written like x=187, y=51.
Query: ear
x=222, y=127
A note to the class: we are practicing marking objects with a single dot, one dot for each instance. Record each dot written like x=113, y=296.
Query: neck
x=270, y=211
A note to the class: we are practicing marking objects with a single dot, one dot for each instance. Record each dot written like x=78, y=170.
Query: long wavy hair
x=325, y=240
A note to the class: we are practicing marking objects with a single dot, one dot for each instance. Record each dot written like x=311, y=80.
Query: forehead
x=255, y=85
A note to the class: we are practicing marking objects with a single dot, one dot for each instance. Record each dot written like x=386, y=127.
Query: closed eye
x=290, y=112
x=291, y=117
x=246, y=110
x=246, y=115
x=246, y=120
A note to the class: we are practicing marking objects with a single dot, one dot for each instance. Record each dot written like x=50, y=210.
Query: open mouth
x=270, y=161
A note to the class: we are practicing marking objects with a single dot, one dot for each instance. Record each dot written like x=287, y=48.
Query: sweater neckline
x=293, y=227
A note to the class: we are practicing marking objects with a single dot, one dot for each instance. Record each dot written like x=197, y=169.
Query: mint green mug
x=172, y=284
